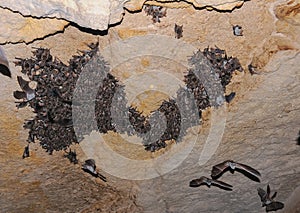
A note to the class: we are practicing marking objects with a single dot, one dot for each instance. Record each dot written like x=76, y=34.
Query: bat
x=251, y=69
x=178, y=31
x=268, y=200
x=230, y=97
x=30, y=93
x=219, y=169
x=90, y=167
x=4, y=66
x=26, y=152
x=207, y=181
x=237, y=30
x=19, y=95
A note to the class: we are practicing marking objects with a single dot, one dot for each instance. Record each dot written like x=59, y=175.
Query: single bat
x=207, y=181
x=268, y=200
x=90, y=167
x=237, y=30
x=26, y=152
x=218, y=169
x=72, y=156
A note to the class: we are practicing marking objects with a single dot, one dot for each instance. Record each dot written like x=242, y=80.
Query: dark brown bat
x=4, y=66
x=29, y=92
x=72, y=156
x=218, y=169
x=19, y=95
x=268, y=200
x=26, y=152
x=251, y=69
x=90, y=167
x=207, y=181
x=178, y=31
x=230, y=97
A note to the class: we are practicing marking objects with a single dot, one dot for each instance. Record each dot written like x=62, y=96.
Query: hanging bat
x=207, y=181
x=26, y=152
x=4, y=66
x=90, y=167
x=237, y=30
x=72, y=156
x=268, y=200
x=219, y=169
x=178, y=31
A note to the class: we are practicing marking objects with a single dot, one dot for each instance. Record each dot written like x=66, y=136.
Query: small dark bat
x=90, y=167
x=178, y=31
x=218, y=169
x=268, y=200
x=237, y=30
x=4, y=65
x=72, y=156
x=207, y=181
x=26, y=152
x=251, y=69
x=230, y=97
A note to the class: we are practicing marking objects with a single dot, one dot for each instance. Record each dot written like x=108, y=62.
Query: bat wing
x=262, y=194
x=25, y=85
x=221, y=183
x=197, y=182
x=274, y=195
x=4, y=65
x=5, y=70
x=248, y=169
x=219, y=169
x=274, y=206
x=228, y=98
x=19, y=95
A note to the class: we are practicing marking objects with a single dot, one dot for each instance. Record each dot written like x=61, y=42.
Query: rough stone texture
x=97, y=15
x=135, y=5
x=91, y=14
x=261, y=128
x=15, y=28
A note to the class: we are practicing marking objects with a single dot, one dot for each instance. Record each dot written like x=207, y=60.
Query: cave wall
x=262, y=122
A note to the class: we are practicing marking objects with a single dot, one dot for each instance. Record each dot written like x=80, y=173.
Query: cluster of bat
x=219, y=169
x=51, y=100
x=156, y=12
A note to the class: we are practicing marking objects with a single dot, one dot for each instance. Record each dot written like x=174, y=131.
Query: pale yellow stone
x=16, y=28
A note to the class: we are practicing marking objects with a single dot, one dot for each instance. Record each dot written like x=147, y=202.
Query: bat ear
x=274, y=195
x=268, y=189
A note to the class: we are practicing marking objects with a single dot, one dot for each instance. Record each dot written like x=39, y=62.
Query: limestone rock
x=135, y=5
x=16, y=28
x=89, y=14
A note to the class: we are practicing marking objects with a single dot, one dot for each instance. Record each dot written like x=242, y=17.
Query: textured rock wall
x=262, y=121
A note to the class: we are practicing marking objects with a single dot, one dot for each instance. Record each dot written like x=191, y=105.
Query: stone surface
x=15, y=28
x=135, y=5
x=262, y=122
x=97, y=15
x=91, y=14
